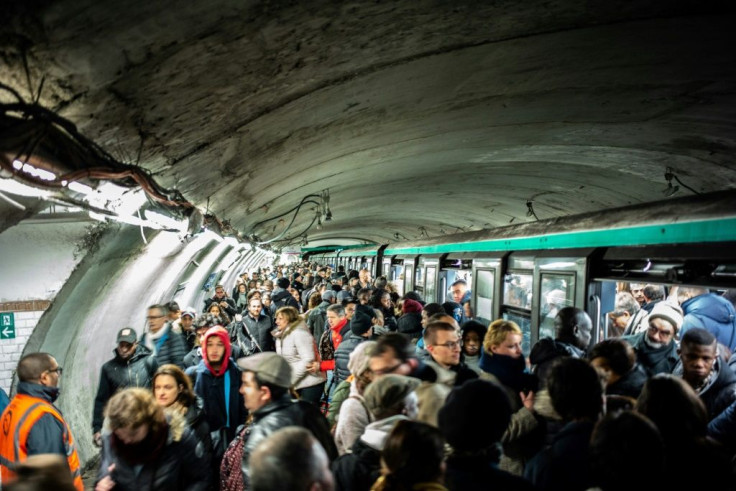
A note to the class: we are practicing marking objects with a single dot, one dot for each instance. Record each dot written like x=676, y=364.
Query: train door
x=386, y=267
x=396, y=274
x=517, y=298
x=427, y=276
x=454, y=267
x=409, y=262
x=487, y=287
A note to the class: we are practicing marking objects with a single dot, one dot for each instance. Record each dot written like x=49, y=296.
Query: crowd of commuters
x=304, y=378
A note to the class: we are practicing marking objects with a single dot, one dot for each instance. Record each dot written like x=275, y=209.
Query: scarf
x=507, y=369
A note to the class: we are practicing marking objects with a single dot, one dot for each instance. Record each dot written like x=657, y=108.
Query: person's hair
x=290, y=313
x=133, y=408
x=686, y=292
x=205, y=320
x=575, y=389
x=212, y=305
x=376, y=296
x=430, y=332
x=173, y=306
x=314, y=300
x=41, y=472
x=460, y=282
x=276, y=391
x=698, y=337
x=365, y=292
x=396, y=343
x=476, y=327
x=219, y=287
x=186, y=397
x=337, y=309
x=497, y=332
x=625, y=301
x=620, y=439
x=268, y=283
x=569, y=318
x=287, y=449
x=413, y=453
x=32, y=366
x=161, y=308
x=653, y=292
x=433, y=309
x=378, y=314
x=619, y=355
x=252, y=294
x=412, y=295
x=674, y=407
x=380, y=282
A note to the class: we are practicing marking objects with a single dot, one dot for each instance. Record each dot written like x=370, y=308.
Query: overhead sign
x=7, y=325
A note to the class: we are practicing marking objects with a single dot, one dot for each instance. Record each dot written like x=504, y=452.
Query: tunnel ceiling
x=421, y=117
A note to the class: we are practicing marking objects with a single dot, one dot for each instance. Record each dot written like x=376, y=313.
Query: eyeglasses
x=451, y=344
x=58, y=370
x=662, y=334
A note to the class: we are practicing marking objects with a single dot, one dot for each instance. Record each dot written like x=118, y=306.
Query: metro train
x=525, y=272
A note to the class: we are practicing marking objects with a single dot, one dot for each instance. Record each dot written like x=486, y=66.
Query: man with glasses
x=31, y=424
x=656, y=348
x=167, y=346
x=444, y=345
x=394, y=353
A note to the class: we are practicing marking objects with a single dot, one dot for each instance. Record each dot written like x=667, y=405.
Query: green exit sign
x=7, y=325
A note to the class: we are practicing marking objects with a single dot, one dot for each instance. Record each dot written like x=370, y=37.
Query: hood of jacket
x=547, y=349
x=221, y=333
x=710, y=305
x=375, y=433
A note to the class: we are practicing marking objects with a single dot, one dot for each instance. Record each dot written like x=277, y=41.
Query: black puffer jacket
x=547, y=350
x=285, y=412
x=116, y=374
x=357, y=470
x=342, y=356
x=261, y=330
x=282, y=298
x=181, y=465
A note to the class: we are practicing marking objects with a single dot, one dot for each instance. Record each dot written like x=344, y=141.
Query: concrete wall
x=111, y=289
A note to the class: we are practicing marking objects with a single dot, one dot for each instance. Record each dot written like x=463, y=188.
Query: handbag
x=231, y=477
x=247, y=343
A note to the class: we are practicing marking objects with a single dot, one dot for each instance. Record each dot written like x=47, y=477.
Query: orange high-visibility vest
x=15, y=425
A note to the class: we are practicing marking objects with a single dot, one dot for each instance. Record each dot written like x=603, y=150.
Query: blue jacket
x=4, y=400
x=713, y=313
x=723, y=427
x=211, y=390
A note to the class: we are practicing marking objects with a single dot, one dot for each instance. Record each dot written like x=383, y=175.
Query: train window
x=419, y=279
x=484, y=294
x=517, y=291
x=524, y=321
x=556, y=291
x=397, y=277
x=430, y=286
x=407, y=278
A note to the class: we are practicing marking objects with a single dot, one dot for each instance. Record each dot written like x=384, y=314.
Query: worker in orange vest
x=31, y=425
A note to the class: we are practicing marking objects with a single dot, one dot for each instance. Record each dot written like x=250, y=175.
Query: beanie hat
x=669, y=312
x=328, y=296
x=342, y=295
x=388, y=391
x=220, y=332
x=283, y=283
x=411, y=306
x=296, y=276
x=360, y=323
x=360, y=357
x=366, y=309
x=475, y=415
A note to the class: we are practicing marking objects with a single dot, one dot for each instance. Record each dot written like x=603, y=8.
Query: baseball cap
x=269, y=366
x=190, y=312
x=127, y=335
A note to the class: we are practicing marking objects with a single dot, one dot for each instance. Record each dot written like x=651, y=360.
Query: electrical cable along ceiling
x=413, y=119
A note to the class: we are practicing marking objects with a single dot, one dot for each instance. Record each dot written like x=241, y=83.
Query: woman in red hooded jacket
x=339, y=327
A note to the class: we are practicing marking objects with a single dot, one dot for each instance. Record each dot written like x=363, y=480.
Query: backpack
x=231, y=477
x=326, y=348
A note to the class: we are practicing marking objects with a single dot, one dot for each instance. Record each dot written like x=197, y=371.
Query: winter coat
x=480, y=473
x=338, y=398
x=169, y=348
x=339, y=330
x=359, y=469
x=116, y=374
x=410, y=324
x=723, y=428
x=342, y=356
x=565, y=463
x=259, y=329
x=546, y=351
x=354, y=417
x=630, y=384
x=510, y=372
x=713, y=313
x=282, y=298
x=317, y=320
x=181, y=465
x=299, y=348
x=211, y=390
x=720, y=392
x=279, y=414
x=653, y=360
x=193, y=358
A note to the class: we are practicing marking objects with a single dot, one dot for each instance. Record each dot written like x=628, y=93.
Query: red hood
x=221, y=333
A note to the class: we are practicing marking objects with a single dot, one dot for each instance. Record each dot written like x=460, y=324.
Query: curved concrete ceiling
x=421, y=118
